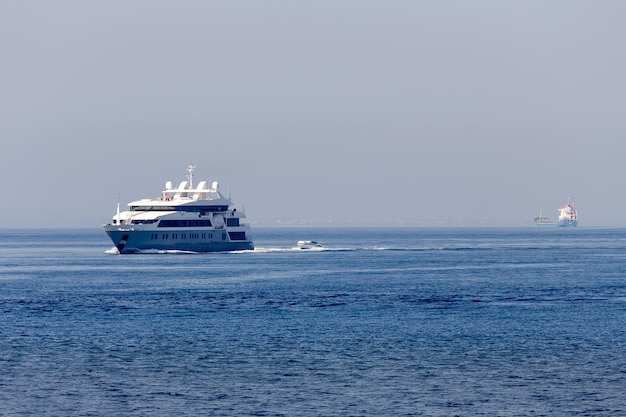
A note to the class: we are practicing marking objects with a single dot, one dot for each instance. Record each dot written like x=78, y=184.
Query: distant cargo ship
x=568, y=216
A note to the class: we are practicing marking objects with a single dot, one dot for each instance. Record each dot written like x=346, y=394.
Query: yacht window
x=232, y=221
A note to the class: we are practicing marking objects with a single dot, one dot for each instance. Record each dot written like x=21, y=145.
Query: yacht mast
x=190, y=169
x=118, y=209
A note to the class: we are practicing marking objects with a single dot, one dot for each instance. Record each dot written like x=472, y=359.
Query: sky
x=321, y=112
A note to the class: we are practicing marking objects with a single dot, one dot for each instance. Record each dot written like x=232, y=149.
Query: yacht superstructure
x=187, y=218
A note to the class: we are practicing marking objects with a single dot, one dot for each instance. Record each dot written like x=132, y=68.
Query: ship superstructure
x=568, y=216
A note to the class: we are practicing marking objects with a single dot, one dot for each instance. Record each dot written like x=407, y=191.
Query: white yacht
x=308, y=244
x=196, y=219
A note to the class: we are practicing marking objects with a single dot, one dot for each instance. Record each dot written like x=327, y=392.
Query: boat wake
x=114, y=251
x=295, y=249
x=341, y=249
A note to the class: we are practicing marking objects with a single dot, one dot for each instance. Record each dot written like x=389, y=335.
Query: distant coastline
x=339, y=222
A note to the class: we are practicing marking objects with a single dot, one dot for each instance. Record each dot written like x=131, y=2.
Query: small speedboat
x=308, y=244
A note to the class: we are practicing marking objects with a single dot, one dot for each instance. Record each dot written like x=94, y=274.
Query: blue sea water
x=389, y=321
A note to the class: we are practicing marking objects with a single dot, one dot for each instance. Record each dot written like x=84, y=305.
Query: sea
x=379, y=322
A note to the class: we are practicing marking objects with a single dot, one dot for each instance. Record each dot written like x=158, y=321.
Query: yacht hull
x=129, y=240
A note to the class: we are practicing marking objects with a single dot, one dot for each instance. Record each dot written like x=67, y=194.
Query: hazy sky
x=473, y=112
